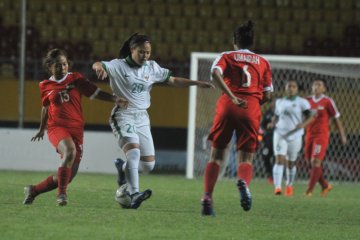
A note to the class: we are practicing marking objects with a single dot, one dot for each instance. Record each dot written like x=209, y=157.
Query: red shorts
x=229, y=118
x=56, y=134
x=315, y=147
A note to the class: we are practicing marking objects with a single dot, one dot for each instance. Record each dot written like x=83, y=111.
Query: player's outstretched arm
x=104, y=96
x=43, y=123
x=184, y=82
x=99, y=70
x=341, y=130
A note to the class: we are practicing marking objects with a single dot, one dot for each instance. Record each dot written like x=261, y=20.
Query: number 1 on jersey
x=245, y=76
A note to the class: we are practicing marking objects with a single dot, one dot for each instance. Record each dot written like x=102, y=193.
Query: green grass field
x=173, y=211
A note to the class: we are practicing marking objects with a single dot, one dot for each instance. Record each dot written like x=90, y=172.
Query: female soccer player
x=317, y=135
x=245, y=79
x=132, y=77
x=292, y=115
x=62, y=115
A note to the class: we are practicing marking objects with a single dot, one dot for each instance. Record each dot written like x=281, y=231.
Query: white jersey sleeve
x=159, y=74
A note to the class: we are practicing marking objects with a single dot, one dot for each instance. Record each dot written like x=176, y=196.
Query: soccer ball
x=122, y=196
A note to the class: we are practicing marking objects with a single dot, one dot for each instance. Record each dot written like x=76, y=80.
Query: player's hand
x=203, y=84
x=100, y=72
x=38, y=136
x=343, y=140
x=122, y=102
x=240, y=102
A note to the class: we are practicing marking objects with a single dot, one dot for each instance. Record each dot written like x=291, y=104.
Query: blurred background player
x=61, y=115
x=132, y=77
x=266, y=148
x=317, y=135
x=245, y=80
x=292, y=115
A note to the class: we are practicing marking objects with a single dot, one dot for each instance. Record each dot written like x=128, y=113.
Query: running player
x=61, y=115
x=132, y=77
x=245, y=80
x=317, y=135
x=292, y=115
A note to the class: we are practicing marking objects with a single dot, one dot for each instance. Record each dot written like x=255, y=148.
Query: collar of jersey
x=52, y=78
x=317, y=99
x=131, y=62
x=244, y=50
x=291, y=98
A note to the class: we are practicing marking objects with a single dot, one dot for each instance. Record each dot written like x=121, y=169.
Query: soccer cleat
x=62, y=200
x=325, y=191
x=289, y=191
x=29, y=198
x=139, y=197
x=207, y=209
x=121, y=180
x=277, y=191
x=245, y=195
x=308, y=194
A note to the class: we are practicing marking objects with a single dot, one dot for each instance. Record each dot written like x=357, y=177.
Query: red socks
x=211, y=174
x=64, y=175
x=315, y=175
x=45, y=186
x=245, y=172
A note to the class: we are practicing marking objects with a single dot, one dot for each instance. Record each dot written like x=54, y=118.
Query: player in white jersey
x=292, y=115
x=132, y=77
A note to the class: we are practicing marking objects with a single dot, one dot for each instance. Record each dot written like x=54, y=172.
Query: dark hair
x=244, y=35
x=51, y=57
x=321, y=80
x=292, y=80
x=133, y=41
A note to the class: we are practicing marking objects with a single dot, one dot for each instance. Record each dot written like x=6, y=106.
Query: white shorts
x=287, y=148
x=133, y=126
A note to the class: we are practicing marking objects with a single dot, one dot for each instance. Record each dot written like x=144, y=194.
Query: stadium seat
x=205, y=11
x=296, y=43
x=149, y=22
x=127, y=9
x=65, y=6
x=171, y=37
x=61, y=34
x=321, y=29
x=38, y=19
x=71, y=20
x=10, y=17
x=298, y=4
x=266, y=3
x=161, y=50
x=112, y=8
x=221, y=12
x=202, y=37
x=81, y=7
x=252, y=13
x=346, y=5
x=346, y=17
x=212, y=24
x=196, y=24
x=143, y=10
x=99, y=47
x=108, y=34
x=35, y=6
x=56, y=19
x=133, y=22
x=282, y=3
x=187, y=37
x=314, y=4
x=330, y=4
x=305, y=28
x=283, y=14
x=314, y=15
x=237, y=12
x=268, y=14
x=92, y=34
x=331, y=15
x=77, y=33
x=7, y=71
x=179, y=23
x=175, y=10
x=299, y=15
x=158, y=9
x=86, y=20
x=101, y=20
x=96, y=7
x=273, y=27
x=164, y=23
x=117, y=21
x=156, y=35
x=178, y=52
x=264, y=43
x=190, y=11
x=289, y=27
x=46, y=32
x=281, y=43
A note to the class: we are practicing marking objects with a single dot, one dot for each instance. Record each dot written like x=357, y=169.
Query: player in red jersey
x=62, y=115
x=317, y=135
x=245, y=79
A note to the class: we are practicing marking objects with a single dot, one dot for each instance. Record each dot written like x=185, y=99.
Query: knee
x=146, y=167
x=69, y=155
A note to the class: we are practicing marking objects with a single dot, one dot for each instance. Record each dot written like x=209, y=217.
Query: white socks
x=146, y=167
x=278, y=171
x=131, y=170
x=290, y=175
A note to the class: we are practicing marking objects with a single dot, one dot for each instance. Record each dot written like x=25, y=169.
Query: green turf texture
x=173, y=211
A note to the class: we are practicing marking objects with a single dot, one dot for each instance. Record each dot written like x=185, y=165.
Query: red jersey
x=325, y=109
x=63, y=97
x=245, y=72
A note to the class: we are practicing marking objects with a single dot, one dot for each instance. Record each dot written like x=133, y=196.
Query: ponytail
x=244, y=35
x=134, y=40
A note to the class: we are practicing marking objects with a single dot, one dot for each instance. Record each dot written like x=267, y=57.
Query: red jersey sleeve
x=267, y=78
x=332, y=109
x=44, y=95
x=220, y=64
x=86, y=87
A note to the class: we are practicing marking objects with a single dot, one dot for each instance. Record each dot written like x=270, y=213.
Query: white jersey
x=134, y=82
x=290, y=114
